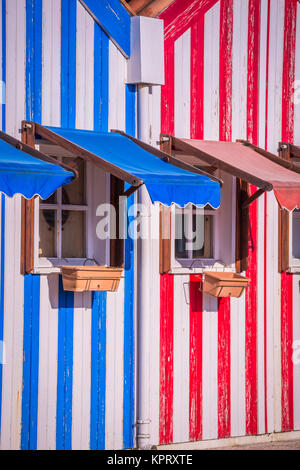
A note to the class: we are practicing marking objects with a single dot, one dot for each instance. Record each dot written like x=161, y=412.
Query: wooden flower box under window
x=90, y=278
x=224, y=284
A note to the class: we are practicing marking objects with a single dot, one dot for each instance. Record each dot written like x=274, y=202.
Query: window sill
x=53, y=265
x=183, y=271
x=294, y=270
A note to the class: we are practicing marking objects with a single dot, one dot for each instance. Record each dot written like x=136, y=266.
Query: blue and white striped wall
x=69, y=378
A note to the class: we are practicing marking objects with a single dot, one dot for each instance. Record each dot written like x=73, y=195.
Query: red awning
x=263, y=169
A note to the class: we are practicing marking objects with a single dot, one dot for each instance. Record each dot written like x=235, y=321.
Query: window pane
x=73, y=234
x=202, y=226
x=180, y=238
x=47, y=234
x=193, y=232
x=296, y=234
x=74, y=193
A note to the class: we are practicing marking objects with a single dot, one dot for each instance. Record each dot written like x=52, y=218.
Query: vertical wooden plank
x=225, y=133
x=51, y=92
x=182, y=82
x=296, y=278
x=166, y=358
x=64, y=369
x=288, y=78
x=273, y=278
x=30, y=362
x=46, y=433
x=197, y=79
x=13, y=281
x=196, y=332
x=251, y=293
x=167, y=93
x=210, y=367
x=211, y=73
x=68, y=62
x=181, y=359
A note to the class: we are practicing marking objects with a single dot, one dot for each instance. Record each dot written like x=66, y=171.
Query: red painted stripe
x=265, y=226
x=251, y=292
x=288, y=77
x=197, y=79
x=225, y=93
x=224, y=421
x=265, y=312
x=195, y=405
x=179, y=16
x=166, y=358
x=225, y=85
x=167, y=93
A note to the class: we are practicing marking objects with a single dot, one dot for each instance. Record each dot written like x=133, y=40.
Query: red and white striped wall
x=224, y=367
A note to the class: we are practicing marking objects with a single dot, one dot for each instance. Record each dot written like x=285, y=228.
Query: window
x=295, y=216
x=193, y=233
x=202, y=238
x=62, y=220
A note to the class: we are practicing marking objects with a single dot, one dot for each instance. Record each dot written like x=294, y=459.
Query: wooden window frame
x=286, y=261
x=28, y=210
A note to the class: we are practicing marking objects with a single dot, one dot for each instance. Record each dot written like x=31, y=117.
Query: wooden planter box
x=224, y=284
x=90, y=278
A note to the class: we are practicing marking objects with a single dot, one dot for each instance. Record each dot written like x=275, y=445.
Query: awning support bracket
x=256, y=195
x=131, y=190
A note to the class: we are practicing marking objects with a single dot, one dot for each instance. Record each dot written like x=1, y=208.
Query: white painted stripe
x=81, y=372
x=210, y=367
x=155, y=327
x=211, y=73
x=273, y=278
x=114, y=369
x=15, y=67
x=117, y=74
x=84, y=69
x=263, y=72
x=182, y=79
x=237, y=332
x=261, y=226
x=46, y=432
x=296, y=337
x=181, y=357
x=14, y=287
x=51, y=62
x=239, y=69
x=260, y=317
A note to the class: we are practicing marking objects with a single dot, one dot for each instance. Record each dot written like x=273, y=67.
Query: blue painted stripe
x=68, y=63
x=2, y=253
x=34, y=10
x=30, y=361
x=101, y=64
x=114, y=19
x=98, y=371
x=128, y=391
x=64, y=369
x=99, y=299
x=34, y=17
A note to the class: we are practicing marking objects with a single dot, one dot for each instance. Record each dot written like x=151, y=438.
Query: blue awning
x=21, y=173
x=165, y=182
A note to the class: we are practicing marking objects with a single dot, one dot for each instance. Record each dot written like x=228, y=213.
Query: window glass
x=73, y=240
x=62, y=229
x=47, y=234
x=193, y=234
